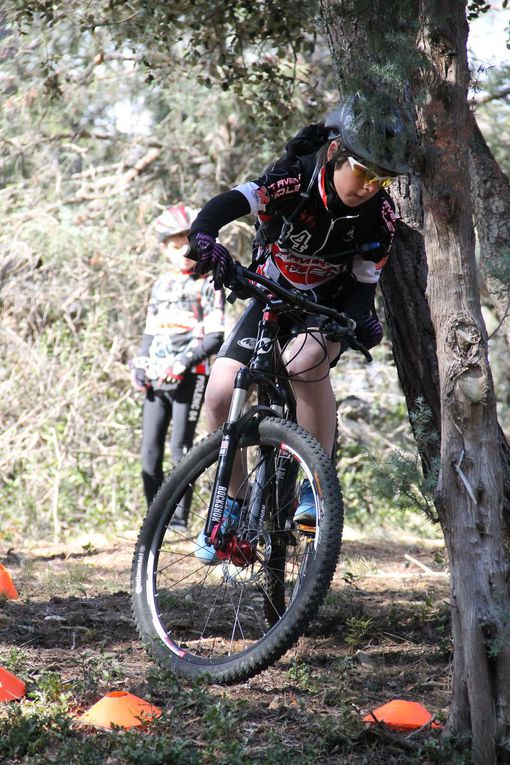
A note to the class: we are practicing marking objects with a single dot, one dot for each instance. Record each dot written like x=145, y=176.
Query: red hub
x=237, y=551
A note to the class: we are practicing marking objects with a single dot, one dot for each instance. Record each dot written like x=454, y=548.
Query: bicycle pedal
x=306, y=528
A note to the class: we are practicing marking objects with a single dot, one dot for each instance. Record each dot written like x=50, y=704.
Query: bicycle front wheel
x=230, y=619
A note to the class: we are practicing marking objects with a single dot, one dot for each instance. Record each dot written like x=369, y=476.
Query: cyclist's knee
x=218, y=394
x=308, y=358
x=217, y=401
x=308, y=367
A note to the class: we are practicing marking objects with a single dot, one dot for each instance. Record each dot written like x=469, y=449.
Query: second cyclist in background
x=184, y=327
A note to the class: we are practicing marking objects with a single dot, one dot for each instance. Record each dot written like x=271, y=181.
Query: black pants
x=181, y=407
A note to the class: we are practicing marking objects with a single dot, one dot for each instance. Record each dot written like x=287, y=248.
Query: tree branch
x=488, y=97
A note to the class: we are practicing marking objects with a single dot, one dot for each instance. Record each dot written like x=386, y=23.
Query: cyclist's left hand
x=370, y=332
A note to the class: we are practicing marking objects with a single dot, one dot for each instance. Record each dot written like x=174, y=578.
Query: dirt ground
x=382, y=634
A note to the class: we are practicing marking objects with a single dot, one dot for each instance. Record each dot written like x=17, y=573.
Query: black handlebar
x=341, y=327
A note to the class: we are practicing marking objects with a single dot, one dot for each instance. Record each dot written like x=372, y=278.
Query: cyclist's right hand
x=139, y=379
x=210, y=255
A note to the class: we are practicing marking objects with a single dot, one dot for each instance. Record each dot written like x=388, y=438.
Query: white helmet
x=176, y=219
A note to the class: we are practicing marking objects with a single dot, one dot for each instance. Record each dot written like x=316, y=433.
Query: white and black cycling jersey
x=185, y=320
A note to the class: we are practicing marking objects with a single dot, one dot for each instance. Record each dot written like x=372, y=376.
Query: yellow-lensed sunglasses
x=367, y=175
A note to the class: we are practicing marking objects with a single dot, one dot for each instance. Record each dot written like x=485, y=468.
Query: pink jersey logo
x=388, y=216
x=263, y=197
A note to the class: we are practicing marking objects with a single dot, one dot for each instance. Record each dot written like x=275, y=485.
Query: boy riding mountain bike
x=324, y=200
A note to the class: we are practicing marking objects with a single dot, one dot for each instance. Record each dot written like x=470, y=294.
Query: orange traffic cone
x=7, y=588
x=119, y=708
x=402, y=715
x=11, y=687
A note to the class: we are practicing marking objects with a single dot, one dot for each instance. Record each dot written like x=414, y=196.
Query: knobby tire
x=230, y=621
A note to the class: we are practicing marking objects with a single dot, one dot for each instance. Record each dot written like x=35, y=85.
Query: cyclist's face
x=176, y=248
x=353, y=191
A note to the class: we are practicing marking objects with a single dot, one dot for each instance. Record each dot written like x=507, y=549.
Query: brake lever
x=357, y=346
x=345, y=334
x=337, y=332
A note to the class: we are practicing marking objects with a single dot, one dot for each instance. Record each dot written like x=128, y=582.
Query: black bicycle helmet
x=377, y=131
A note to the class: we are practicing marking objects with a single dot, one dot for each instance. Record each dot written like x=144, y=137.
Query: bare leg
x=218, y=394
x=307, y=359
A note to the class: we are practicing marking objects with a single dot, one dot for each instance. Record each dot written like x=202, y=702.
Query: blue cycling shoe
x=305, y=511
x=206, y=553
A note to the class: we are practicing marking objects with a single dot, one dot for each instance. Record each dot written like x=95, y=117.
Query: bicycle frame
x=261, y=372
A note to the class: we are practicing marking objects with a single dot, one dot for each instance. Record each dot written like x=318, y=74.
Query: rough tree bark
x=474, y=451
x=404, y=283
x=469, y=494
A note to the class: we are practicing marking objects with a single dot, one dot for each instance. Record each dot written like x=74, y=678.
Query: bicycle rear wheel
x=231, y=620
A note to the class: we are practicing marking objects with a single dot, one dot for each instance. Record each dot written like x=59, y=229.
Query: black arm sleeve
x=219, y=211
x=210, y=344
x=358, y=302
x=356, y=299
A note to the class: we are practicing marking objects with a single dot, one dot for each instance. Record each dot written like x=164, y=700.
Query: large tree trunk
x=473, y=451
x=404, y=284
x=469, y=495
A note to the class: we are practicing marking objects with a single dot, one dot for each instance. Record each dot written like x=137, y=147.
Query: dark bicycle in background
x=231, y=620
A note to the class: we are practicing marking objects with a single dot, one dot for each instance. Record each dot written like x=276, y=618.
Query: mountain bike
x=230, y=620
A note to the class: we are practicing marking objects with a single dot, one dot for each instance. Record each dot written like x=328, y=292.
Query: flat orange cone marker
x=7, y=588
x=402, y=715
x=11, y=687
x=119, y=708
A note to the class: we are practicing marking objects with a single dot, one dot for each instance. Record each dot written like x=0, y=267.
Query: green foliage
x=445, y=750
x=63, y=445
x=498, y=632
x=476, y=8
x=300, y=674
x=362, y=45
x=15, y=661
x=399, y=478
x=382, y=479
x=358, y=631
x=77, y=254
x=251, y=49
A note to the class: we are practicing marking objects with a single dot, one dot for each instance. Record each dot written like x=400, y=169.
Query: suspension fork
x=262, y=365
x=227, y=451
